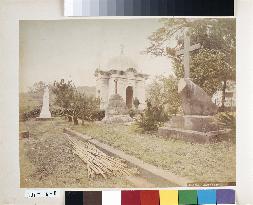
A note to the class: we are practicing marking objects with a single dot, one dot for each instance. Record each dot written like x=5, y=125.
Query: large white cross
x=186, y=52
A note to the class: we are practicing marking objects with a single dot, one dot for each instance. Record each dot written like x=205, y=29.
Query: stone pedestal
x=116, y=112
x=198, y=123
x=193, y=128
x=195, y=101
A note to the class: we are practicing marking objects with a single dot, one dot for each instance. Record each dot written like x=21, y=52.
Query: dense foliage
x=163, y=93
x=227, y=120
x=33, y=113
x=76, y=105
x=212, y=65
x=152, y=117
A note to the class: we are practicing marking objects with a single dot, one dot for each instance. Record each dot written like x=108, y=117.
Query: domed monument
x=121, y=77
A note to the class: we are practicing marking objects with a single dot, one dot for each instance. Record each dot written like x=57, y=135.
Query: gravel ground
x=46, y=159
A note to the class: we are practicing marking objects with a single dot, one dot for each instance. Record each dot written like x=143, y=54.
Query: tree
x=64, y=96
x=89, y=108
x=37, y=89
x=75, y=104
x=217, y=39
x=163, y=93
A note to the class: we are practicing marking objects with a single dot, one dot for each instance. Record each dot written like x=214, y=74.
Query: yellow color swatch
x=168, y=197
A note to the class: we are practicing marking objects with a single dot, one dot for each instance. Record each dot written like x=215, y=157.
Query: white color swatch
x=111, y=198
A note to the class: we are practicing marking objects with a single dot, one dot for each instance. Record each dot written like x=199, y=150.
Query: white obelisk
x=45, y=113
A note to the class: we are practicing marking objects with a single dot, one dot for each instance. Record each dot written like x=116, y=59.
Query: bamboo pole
x=99, y=163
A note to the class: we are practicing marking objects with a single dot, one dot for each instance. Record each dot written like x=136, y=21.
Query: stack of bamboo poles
x=98, y=163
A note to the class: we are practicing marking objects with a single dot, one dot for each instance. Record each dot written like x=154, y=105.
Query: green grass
x=46, y=160
x=199, y=162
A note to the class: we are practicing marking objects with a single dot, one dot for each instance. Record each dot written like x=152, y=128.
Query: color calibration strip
x=151, y=197
x=149, y=8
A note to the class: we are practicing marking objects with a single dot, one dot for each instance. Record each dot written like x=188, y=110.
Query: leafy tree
x=217, y=39
x=64, y=96
x=163, y=93
x=75, y=104
x=37, y=88
x=89, y=108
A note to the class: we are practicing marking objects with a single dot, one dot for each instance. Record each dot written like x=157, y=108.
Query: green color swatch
x=187, y=197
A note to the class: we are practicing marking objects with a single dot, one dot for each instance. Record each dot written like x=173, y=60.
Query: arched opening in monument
x=129, y=97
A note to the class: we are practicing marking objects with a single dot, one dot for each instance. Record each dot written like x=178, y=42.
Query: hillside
x=88, y=90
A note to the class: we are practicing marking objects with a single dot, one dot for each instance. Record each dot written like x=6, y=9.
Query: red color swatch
x=130, y=198
x=149, y=197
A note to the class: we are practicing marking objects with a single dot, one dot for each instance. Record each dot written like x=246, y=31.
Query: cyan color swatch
x=207, y=196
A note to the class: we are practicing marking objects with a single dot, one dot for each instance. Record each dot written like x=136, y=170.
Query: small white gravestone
x=45, y=113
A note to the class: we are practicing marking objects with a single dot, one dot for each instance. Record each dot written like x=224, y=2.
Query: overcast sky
x=51, y=50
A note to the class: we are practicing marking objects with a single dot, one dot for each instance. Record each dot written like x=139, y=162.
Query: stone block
x=44, y=118
x=193, y=136
x=195, y=101
x=116, y=112
x=117, y=119
x=116, y=106
x=193, y=128
x=194, y=122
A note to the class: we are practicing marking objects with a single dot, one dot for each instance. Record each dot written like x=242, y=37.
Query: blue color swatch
x=207, y=196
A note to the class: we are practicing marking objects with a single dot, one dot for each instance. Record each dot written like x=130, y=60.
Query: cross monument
x=116, y=86
x=186, y=52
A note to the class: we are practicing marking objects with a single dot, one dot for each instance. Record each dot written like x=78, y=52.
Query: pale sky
x=51, y=50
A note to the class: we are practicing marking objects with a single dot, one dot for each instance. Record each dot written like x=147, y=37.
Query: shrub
x=133, y=113
x=227, y=120
x=35, y=112
x=152, y=117
x=97, y=115
x=57, y=111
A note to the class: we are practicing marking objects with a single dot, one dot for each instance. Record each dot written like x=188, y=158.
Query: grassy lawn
x=46, y=159
x=199, y=162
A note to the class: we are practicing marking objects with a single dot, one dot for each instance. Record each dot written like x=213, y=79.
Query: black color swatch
x=73, y=198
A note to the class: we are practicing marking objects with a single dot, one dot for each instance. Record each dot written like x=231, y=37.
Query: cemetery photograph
x=121, y=103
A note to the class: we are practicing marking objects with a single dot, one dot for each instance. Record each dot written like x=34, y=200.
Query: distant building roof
x=121, y=62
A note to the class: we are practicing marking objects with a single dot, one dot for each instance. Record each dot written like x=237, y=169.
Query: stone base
x=198, y=123
x=117, y=119
x=193, y=136
x=193, y=128
x=44, y=118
